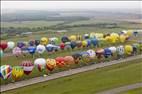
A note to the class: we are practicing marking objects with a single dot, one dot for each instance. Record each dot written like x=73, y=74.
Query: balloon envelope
x=40, y=49
x=128, y=49
x=44, y=41
x=120, y=50
x=60, y=61
x=91, y=53
x=17, y=72
x=3, y=45
x=69, y=59
x=27, y=66
x=40, y=63
x=10, y=44
x=5, y=71
x=50, y=64
x=31, y=49
x=16, y=51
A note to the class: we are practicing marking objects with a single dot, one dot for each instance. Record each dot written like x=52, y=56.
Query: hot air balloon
x=50, y=47
x=85, y=57
x=10, y=44
x=62, y=46
x=120, y=51
x=17, y=72
x=37, y=42
x=115, y=37
x=78, y=44
x=40, y=49
x=3, y=45
x=5, y=71
x=107, y=52
x=73, y=44
x=86, y=36
x=94, y=42
x=78, y=37
x=1, y=53
x=17, y=51
x=128, y=49
x=84, y=43
x=44, y=41
x=31, y=49
x=50, y=64
x=54, y=40
x=77, y=57
x=99, y=53
x=91, y=53
x=113, y=49
x=135, y=33
x=72, y=38
x=88, y=42
x=60, y=61
x=20, y=44
x=69, y=60
x=31, y=42
x=68, y=45
x=27, y=66
x=136, y=47
x=65, y=39
x=40, y=63
x=122, y=38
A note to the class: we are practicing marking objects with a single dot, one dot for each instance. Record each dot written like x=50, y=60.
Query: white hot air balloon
x=92, y=53
x=10, y=44
x=40, y=63
x=113, y=49
x=40, y=49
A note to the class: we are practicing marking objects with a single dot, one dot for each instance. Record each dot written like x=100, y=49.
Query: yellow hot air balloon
x=92, y=35
x=17, y=72
x=72, y=38
x=44, y=41
x=115, y=37
x=84, y=43
x=122, y=38
x=99, y=35
x=79, y=37
x=128, y=49
x=108, y=39
x=50, y=64
x=129, y=32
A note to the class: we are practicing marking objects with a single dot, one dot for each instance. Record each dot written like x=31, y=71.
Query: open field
x=30, y=24
x=133, y=91
x=88, y=82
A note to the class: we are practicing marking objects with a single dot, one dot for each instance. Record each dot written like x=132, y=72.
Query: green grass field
x=133, y=91
x=88, y=82
x=30, y=24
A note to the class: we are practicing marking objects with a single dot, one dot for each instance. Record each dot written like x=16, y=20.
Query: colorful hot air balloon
x=37, y=42
x=17, y=51
x=31, y=49
x=50, y=47
x=122, y=38
x=1, y=53
x=99, y=53
x=3, y=45
x=88, y=42
x=77, y=57
x=40, y=63
x=113, y=49
x=17, y=72
x=62, y=46
x=128, y=49
x=68, y=45
x=94, y=42
x=40, y=49
x=10, y=44
x=85, y=57
x=31, y=42
x=44, y=41
x=20, y=44
x=120, y=51
x=78, y=44
x=72, y=38
x=107, y=52
x=91, y=53
x=73, y=44
x=86, y=36
x=84, y=43
x=60, y=61
x=65, y=39
x=136, y=47
x=50, y=64
x=27, y=66
x=69, y=60
x=5, y=71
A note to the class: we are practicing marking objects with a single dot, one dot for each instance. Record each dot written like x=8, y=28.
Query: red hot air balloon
x=3, y=45
x=27, y=67
x=69, y=60
x=60, y=61
x=62, y=46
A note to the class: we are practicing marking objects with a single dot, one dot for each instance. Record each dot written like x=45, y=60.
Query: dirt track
x=64, y=73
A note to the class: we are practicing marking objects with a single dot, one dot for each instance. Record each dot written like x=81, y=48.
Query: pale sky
x=56, y=5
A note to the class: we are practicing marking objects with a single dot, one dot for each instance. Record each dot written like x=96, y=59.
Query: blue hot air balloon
x=94, y=41
x=107, y=52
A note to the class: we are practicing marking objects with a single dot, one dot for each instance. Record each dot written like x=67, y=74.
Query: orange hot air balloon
x=69, y=60
x=50, y=64
x=60, y=61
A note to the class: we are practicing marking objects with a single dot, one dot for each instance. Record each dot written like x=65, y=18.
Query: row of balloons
x=26, y=67
x=67, y=43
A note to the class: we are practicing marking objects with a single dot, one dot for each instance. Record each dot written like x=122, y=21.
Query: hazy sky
x=56, y=5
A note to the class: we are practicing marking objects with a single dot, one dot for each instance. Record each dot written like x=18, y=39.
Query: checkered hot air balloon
x=27, y=66
x=5, y=71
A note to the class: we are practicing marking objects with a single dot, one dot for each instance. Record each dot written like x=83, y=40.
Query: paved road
x=64, y=73
x=121, y=89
